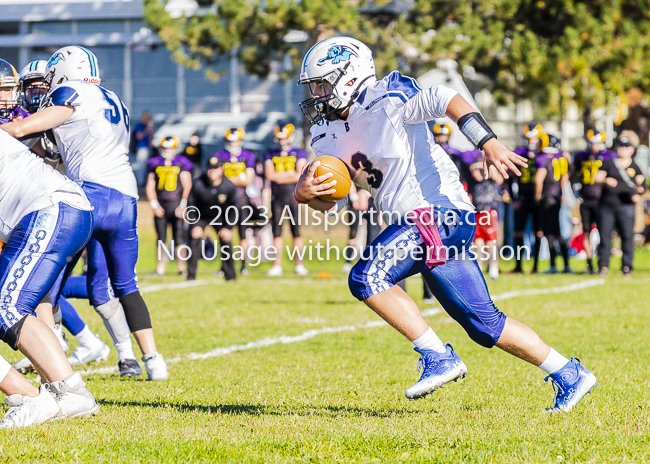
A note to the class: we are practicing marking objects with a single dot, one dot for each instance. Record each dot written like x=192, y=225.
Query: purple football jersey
x=234, y=165
x=167, y=173
x=586, y=165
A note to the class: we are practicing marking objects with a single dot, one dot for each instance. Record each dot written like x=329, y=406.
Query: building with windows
x=134, y=64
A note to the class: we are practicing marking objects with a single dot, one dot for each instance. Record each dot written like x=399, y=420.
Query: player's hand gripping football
x=310, y=187
x=498, y=155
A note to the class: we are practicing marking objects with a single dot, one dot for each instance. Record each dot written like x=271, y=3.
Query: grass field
x=332, y=389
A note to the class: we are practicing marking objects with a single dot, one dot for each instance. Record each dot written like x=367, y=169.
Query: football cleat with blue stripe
x=570, y=383
x=437, y=369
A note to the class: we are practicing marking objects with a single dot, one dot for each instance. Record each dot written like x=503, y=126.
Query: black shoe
x=191, y=277
x=129, y=368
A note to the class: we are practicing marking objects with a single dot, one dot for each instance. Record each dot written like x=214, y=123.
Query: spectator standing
x=144, y=143
x=484, y=193
x=283, y=166
x=622, y=185
x=193, y=151
x=169, y=183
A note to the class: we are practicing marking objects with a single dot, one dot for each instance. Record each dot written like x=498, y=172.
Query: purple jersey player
x=586, y=165
x=522, y=189
x=239, y=168
x=552, y=170
x=10, y=109
x=168, y=186
x=282, y=166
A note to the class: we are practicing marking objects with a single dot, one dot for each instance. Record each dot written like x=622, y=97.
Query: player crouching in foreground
x=45, y=220
x=379, y=129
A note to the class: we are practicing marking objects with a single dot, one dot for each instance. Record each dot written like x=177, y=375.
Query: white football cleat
x=30, y=410
x=275, y=271
x=74, y=399
x=156, y=367
x=493, y=272
x=437, y=370
x=347, y=267
x=58, y=331
x=301, y=270
x=86, y=354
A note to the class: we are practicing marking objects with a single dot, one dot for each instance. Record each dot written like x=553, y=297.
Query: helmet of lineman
x=551, y=144
x=234, y=140
x=337, y=70
x=283, y=133
x=8, y=88
x=169, y=147
x=441, y=129
x=32, y=86
x=72, y=63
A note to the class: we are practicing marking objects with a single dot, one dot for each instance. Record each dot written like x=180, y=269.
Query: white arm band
x=154, y=204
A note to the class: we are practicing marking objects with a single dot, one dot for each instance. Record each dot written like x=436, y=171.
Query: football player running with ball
x=91, y=127
x=379, y=129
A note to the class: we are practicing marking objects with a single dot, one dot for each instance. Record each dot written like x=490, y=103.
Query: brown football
x=341, y=175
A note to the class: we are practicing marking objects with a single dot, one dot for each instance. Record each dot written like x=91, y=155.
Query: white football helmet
x=32, y=86
x=343, y=62
x=72, y=63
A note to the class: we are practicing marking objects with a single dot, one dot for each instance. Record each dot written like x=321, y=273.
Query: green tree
x=550, y=51
x=255, y=31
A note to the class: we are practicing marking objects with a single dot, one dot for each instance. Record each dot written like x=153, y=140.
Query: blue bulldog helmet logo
x=336, y=54
x=55, y=59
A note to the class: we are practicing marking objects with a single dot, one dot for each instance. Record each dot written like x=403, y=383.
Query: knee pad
x=136, y=312
x=486, y=331
x=107, y=310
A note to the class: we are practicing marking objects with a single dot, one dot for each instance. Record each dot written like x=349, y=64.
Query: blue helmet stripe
x=33, y=66
x=91, y=58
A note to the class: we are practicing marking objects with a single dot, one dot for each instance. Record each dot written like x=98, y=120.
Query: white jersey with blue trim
x=27, y=184
x=388, y=144
x=94, y=141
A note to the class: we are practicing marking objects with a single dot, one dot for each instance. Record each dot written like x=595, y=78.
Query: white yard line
x=545, y=291
x=309, y=334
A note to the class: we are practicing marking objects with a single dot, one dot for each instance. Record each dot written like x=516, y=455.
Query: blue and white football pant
x=113, y=248
x=458, y=284
x=37, y=251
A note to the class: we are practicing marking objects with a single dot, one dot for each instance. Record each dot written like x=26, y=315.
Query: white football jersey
x=388, y=144
x=27, y=184
x=94, y=141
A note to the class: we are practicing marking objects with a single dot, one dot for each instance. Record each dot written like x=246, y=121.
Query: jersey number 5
x=361, y=162
x=113, y=115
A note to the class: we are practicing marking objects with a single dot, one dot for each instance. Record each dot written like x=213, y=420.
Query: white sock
x=553, y=362
x=430, y=341
x=87, y=338
x=124, y=350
